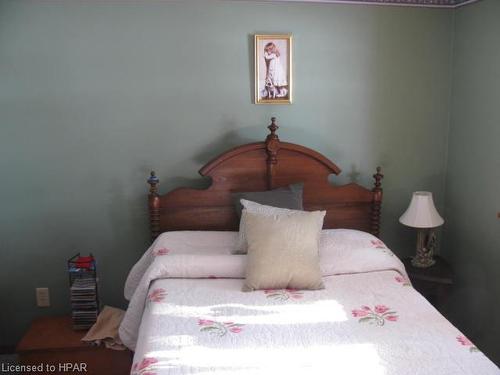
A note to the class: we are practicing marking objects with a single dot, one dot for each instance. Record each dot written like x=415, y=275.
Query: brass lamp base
x=422, y=263
x=426, y=241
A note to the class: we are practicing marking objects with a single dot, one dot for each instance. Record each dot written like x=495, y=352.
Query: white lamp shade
x=421, y=212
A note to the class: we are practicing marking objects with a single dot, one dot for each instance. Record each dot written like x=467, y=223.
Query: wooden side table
x=434, y=282
x=51, y=341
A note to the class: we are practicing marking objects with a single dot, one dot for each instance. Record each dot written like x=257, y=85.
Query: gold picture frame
x=273, y=69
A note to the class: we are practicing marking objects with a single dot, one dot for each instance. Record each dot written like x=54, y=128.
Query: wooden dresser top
x=52, y=333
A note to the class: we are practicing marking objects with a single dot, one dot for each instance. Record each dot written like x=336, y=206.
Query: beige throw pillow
x=256, y=208
x=283, y=251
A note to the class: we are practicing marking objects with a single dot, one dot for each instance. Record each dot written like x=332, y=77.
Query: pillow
x=256, y=208
x=287, y=197
x=283, y=251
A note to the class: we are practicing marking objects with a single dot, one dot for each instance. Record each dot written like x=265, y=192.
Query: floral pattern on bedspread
x=144, y=367
x=157, y=295
x=467, y=343
x=378, y=244
x=218, y=328
x=402, y=280
x=378, y=315
x=283, y=294
x=161, y=251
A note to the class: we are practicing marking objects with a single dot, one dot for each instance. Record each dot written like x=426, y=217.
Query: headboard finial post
x=377, y=202
x=378, y=180
x=153, y=181
x=272, y=148
x=272, y=128
x=154, y=205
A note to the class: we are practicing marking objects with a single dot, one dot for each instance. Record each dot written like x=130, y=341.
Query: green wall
x=472, y=237
x=94, y=94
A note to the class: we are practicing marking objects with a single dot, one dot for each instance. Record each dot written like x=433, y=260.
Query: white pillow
x=259, y=209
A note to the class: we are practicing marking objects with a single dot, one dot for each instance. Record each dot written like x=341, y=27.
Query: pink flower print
x=144, y=367
x=466, y=342
x=380, y=309
x=218, y=328
x=402, y=280
x=157, y=295
x=147, y=362
x=161, y=251
x=359, y=313
x=378, y=244
x=294, y=293
x=379, y=315
x=234, y=327
x=205, y=322
x=284, y=294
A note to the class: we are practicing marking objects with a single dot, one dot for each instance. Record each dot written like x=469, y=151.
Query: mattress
x=188, y=315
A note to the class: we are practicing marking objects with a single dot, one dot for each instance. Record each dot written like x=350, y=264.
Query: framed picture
x=273, y=69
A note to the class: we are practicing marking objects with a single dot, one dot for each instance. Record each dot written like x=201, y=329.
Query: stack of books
x=83, y=291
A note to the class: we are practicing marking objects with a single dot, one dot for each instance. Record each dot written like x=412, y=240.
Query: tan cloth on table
x=105, y=329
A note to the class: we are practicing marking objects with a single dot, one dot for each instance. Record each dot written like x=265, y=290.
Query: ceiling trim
x=408, y=3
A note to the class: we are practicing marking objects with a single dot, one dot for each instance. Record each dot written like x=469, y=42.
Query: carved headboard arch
x=263, y=166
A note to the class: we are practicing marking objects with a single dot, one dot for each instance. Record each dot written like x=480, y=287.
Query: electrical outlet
x=42, y=297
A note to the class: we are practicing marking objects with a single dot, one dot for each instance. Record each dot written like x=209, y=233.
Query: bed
x=188, y=315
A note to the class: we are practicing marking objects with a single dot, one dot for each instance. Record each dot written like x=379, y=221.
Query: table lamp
x=422, y=214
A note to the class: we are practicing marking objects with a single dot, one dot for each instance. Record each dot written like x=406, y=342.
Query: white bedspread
x=194, y=319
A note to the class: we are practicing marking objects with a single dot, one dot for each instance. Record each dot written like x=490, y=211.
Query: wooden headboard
x=263, y=166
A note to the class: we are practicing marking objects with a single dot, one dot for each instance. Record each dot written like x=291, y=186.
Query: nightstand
x=51, y=341
x=434, y=282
